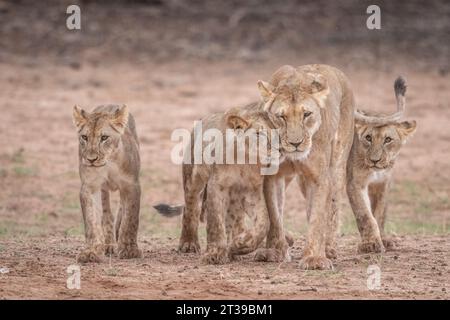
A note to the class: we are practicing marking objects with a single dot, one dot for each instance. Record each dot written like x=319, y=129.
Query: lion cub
x=369, y=171
x=226, y=193
x=109, y=161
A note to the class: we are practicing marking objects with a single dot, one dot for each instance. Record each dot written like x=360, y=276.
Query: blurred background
x=174, y=61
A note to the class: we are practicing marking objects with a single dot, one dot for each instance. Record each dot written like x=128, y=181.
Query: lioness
x=109, y=160
x=369, y=170
x=316, y=105
x=225, y=192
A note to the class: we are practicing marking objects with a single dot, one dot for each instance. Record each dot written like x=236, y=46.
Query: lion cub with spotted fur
x=369, y=172
x=226, y=193
x=108, y=161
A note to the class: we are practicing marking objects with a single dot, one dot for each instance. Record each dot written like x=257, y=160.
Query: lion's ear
x=265, y=90
x=79, y=117
x=319, y=89
x=236, y=122
x=119, y=119
x=406, y=128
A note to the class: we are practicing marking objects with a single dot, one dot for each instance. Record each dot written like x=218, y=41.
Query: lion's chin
x=95, y=165
x=380, y=167
x=298, y=155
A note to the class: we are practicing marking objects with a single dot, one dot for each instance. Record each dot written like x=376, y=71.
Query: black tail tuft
x=400, y=86
x=168, y=210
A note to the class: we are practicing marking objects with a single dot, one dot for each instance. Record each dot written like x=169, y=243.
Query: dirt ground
x=417, y=270
x=170, y=84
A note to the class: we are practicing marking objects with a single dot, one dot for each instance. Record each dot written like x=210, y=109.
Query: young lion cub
x=109, y=161
x=369, y=170
x=225, y=193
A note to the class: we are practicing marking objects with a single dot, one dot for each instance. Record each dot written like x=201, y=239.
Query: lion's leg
x=281, y=200
x=302, y=183
x=341, y=152
x=236, y=215
x=130, y=197
x=367, y=225
x=118, y=222
x=235, y=220
x=193, y=197
x=334, y=214
x=342, y=146
x=332, y=221
x=217, y=206
x=249, y=239
x=107, y=222
x=276, y=245
x=378, y=199
x=90, y=200
x=314, y=256
x=229, y=226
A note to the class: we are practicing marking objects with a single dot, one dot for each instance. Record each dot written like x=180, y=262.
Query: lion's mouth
x=378, y=167
x=94, y=165
x=302, y=148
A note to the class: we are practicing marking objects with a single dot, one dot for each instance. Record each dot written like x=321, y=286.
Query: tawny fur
x=317, y=106
x=109, y=161
x=369, y=171
x=225, y=194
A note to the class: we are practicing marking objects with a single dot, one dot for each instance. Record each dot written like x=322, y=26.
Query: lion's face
x=300, y=120
x=99, y=134
x=298, y=106
x=380, y=145
x=259, y=129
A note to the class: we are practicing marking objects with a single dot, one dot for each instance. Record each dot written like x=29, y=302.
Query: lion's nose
x=296, y=144
x=92, y=159
x=375, y=161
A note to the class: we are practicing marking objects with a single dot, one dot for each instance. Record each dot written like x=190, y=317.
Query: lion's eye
x=307, y=114
x=84, y=137
x=387, y=139
x=369, y=138
x=281, y=115
x=104, y=138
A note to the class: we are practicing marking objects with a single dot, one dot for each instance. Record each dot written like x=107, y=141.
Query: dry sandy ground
x=40, y=219
x=417, y=270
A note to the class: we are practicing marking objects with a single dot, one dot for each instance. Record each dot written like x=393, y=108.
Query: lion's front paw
x=89, y=256
x=129, y=251
x=216, y=255
x=316, y=263
x=272, y=255
x=371, y=247
x=187, y=246
x=389, y=243
x=331, y=252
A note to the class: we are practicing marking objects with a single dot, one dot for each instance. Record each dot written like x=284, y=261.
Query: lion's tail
x=168, y=210
x=400, y=91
